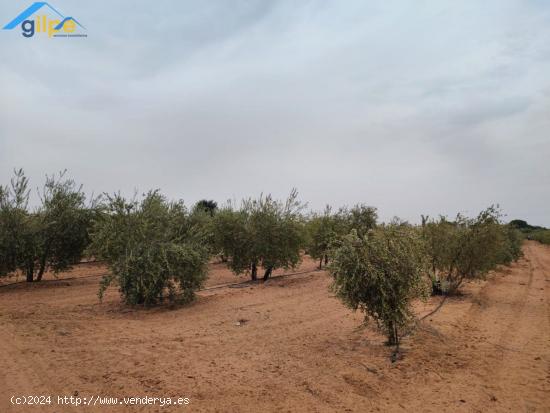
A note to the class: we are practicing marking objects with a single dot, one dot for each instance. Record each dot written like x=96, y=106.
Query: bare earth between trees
x=283, y=345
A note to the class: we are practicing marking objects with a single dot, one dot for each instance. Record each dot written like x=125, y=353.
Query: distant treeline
x=540, y=234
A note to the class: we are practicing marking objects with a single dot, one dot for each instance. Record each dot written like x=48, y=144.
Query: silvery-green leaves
x=380, y=274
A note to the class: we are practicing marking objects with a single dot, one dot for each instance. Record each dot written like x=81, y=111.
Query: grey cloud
x=431, y=107
x=485, y=111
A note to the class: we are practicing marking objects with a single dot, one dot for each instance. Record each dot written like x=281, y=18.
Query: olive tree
x=380, y=274
x=438, y=236
x=361, y=218
x=65, y=223
x=262, y=232
x=323, y=230
x=512, y=241
x=152, y=247
x=234, y=240
x=202, y=220
x=14, y=223
x=202, y=217
x=52, y=237
x=468, y=248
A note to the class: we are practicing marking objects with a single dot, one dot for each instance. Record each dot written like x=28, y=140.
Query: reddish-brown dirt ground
x=295, y=348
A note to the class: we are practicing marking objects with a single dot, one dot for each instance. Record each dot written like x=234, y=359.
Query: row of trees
x=155, y=248
x=324, y=229
x=467, y=248
x=158, y=249
x=382, y=272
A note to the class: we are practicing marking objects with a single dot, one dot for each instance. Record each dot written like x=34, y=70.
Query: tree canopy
x=263, y=232
x=153, y=249
x=53, y=236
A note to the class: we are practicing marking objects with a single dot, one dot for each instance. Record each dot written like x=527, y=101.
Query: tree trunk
x=396, y=338
x=267, y=273
x=393, y=338
x=39, y=275
x=326, y=259
x=455, y=284
x=30, y=273
x=321, y=263
x=254, y=272
x=42, y=269
x=437, y=288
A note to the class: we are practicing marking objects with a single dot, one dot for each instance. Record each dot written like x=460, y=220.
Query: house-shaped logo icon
x=49, y=21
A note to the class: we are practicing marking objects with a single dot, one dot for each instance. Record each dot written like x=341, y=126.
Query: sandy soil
x=286, y=346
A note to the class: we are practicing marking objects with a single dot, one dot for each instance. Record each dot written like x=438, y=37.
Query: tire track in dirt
x=506, y=329
x=485, y=351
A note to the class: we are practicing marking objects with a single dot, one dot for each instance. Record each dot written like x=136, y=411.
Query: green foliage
x=541, y=235
x=468, y=248
x=233, y=239
x=380, y=274
x=153, y=248
x=202, y=218
x=323, y=230
x=437, y=235
x=205, y=205
x=263, y=232
x=54, y=236
x=519, y=224
x=203, y=223
x=523, y=226
x=512, y=240
x=66, y=221
x=14, y=223
x=531, y=232
x=361, y=218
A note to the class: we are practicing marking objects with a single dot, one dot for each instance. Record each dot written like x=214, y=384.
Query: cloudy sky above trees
x=414, y=107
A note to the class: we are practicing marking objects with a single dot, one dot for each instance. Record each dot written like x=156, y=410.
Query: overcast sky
x=415, y=107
